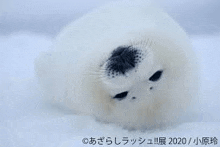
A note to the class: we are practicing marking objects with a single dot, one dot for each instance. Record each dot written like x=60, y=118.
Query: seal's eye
x=156, y=76
x=121, y=96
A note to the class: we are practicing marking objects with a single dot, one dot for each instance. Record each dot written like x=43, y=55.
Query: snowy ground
x=27, y=121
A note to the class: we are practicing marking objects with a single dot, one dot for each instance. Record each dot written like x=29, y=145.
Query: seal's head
x=128, y=65
x=142, y=84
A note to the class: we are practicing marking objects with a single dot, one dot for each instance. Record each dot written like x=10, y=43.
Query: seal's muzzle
x=122, y=60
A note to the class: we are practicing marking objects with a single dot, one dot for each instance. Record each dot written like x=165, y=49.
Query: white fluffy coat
x=72, y=74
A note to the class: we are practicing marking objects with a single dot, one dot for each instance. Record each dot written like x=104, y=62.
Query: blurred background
x=49, y=16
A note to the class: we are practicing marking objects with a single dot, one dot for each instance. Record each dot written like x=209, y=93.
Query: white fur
x=74, y=74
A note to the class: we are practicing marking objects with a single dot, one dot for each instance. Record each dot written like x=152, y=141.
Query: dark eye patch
x=121, y=96
x=156, y=76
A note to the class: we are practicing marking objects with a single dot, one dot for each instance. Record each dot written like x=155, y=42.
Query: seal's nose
x=122, y=60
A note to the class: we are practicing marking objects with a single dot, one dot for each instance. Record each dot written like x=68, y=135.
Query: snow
x=207, y=49
x=27, y=120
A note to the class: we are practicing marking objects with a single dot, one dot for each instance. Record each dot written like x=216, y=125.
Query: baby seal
x=126, y=63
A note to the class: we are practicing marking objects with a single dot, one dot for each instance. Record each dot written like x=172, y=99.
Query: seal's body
x=127, y=62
